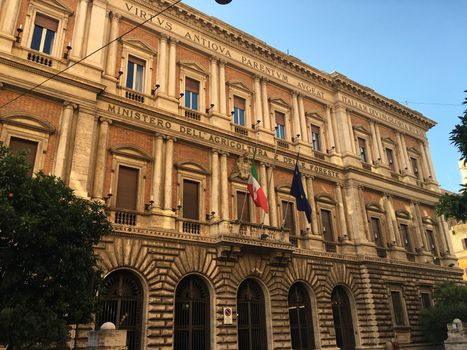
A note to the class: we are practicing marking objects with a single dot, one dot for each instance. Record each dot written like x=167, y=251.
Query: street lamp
x=223, y=2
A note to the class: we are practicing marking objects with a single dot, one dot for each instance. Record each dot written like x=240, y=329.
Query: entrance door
x=122, y=303
x=251, y=317
x=342, y=314
x=301, y=324
x=192, y=315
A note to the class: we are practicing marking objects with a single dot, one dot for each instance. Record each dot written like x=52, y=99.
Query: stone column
x=224, y=188
x=374, y=139
x=311, y=199
x=112, y=49
x=157, y=171
x=78, y=32
x=426, y=169
x=9, y=17
x=214, y=84
x=96, y=32
x=272, y=197
x=215, y=183
x=329, y=127
x=222, y=96
x=341, y=211
x=99, y=174
x=302, y=116
x=258, y=103
x=67, y=116
x=426, y=150
x=264, y=185
x=80, y=168
x=169, y=153
x=162, y=65
x=172, y=67
x=296, y=117
x=265, y=105
x=390, y=219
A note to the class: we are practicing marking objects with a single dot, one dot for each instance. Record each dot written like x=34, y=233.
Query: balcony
x=330, y=247
x=193, y=227
x=241, y=130
x=192, y=114
x=125, y=217
x=381, y=252
x=41, y=59
x=282, y=143
x=134, y=96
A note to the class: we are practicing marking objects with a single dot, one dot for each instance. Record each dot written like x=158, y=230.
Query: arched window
x=192, y=315
x=301, y=323
x=251, y=316
x=122, y=304
x=342, y=315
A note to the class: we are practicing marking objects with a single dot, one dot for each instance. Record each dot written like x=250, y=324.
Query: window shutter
x=137, y=60
x=280, y=118
x=46, y=22
x=289, y=217
x=192, y=85
x=127, y=188
x=190, y=200
x=398, y=309
x=28, y=146
x=327, y=225
x=242, y=197
x=239, y=102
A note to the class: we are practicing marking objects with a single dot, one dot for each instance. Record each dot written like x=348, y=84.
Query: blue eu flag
x=297, y=191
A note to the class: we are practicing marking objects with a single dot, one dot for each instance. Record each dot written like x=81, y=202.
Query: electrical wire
x=89, y=55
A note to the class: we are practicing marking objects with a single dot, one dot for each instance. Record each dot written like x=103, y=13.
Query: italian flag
x=254, y=188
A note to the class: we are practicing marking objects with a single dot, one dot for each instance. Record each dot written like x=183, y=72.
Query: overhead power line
x=89, y=55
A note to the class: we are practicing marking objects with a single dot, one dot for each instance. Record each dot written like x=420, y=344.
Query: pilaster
x=112, y=50
x=99, y=174
x=78, y=32
x=224, y=188
x=63, y=142
x=172, y=67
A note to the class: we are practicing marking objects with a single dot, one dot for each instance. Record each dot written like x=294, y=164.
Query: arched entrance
x=251, y=316
x=301, y=322
x=121, y=303
x=192, y=324
x=342, y=314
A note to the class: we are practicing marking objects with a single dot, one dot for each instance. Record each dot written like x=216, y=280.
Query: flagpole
x=288, y=202
x=269, y=179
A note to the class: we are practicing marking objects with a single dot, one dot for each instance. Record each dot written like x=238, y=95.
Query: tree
x=48, y=270
x=455, y=205
x=450, y=303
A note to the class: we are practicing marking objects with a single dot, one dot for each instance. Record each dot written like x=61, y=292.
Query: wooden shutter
x=242, y=197
x=46, y=22
x=239, y=102
x=405, y=237
x=289, y=217
x=390, y=156
x=376, y=227
x=137, y=60
x=127, y=188
x=190, y=200
x=192, y=85
x=398, y=308
x=414, y=166
x=327, y=225
x=280, y=118
x=28, y=146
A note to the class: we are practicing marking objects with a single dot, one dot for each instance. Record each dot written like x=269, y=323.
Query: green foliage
x=455, y=205
x=48, y=272
x=450, y=302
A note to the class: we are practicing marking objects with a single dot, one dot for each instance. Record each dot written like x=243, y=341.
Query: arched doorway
x=301, y=322
x=192, y=325
x=121, y=303
x=342, y=314
x=251, y=316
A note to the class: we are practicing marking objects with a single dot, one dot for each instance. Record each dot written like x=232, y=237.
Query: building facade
x=162, y=123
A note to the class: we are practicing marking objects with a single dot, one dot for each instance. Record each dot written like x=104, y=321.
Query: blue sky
x=412, y=51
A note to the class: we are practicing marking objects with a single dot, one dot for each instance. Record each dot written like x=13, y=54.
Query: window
x=431, y=242
x=288, y=216
x=191, y=93
x=425, y=300
x=192, y=322
x=398, y=308
x=29, y=147
x=190, y=199
x=135, y=73
x=43, y=34
x=376, y=229
x=464, y=243
x=315, y=138
x=239, y=110
x=362, y=149
x=243, y=207
x=280, y=125
x=390, y=157
x=301, y=324
x=404, y=229
x=414, y=163
x=127, y=188
x=326, y=222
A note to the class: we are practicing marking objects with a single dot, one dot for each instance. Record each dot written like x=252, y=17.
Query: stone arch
x=131, y=151
x=339, y=274
x=28, y=121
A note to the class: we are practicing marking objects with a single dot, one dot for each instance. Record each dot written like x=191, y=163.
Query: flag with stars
x=296, y=190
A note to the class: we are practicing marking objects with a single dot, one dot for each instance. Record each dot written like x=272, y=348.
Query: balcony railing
x=193, y=227
x=125, y=217
x=283, y=144
x=192, y=114
x=330, y=247
x=259, y=232
x=40, y=59
x=241, y=130
x=134, y=96
x=410, y=256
